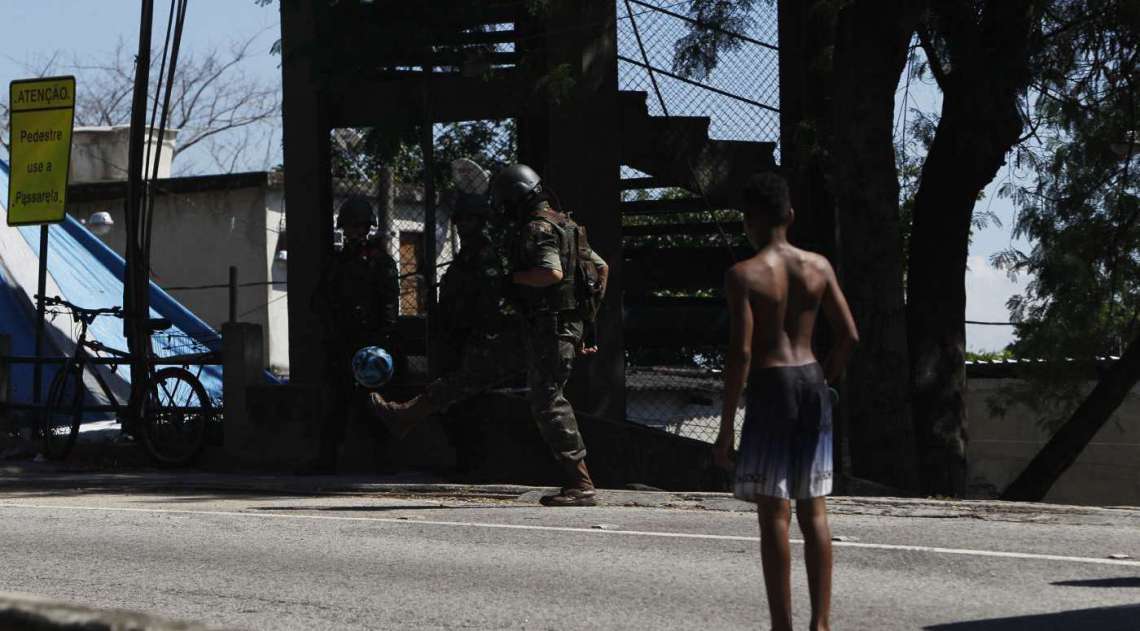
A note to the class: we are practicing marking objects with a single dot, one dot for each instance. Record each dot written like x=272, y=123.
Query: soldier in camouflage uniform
x=552, y=325
x=357, y=299
x=479, y=335
x=478, y=323
x=549, y=328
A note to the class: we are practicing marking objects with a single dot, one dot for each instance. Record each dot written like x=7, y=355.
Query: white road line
x=592, y=531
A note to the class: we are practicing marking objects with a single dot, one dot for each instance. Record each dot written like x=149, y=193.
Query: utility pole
x=136, y=299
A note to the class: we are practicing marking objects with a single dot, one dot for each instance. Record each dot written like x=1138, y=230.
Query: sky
x=88, y=29
x=987, y=288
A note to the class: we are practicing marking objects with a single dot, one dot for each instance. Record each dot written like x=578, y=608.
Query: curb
x=20, y=479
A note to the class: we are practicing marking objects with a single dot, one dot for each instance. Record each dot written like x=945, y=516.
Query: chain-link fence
x=728, y=72
x=414, y=190
x=677, y=242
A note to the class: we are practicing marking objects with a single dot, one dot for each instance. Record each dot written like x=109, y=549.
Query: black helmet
x=515, y=184
x=355, y=211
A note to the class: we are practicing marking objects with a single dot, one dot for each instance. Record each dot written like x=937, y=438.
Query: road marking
x=592, y=531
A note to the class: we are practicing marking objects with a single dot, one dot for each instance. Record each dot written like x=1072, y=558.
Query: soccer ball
x=372, y=366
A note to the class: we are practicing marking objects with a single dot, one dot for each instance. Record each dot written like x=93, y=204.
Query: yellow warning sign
x=40, y=122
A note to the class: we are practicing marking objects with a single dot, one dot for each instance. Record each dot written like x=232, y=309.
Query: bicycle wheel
x=177, y=411
x=57, y=425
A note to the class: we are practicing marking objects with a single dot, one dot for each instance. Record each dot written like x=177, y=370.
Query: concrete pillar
x=805, y=121
x=308, y=183
x=242, y=368
x=5, y=369
x=573, y=142
x=807, y=30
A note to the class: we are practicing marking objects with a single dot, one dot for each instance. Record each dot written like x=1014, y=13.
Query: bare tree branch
x=214, y=101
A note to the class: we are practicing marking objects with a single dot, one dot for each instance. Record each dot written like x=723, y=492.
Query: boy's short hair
x=766, y=198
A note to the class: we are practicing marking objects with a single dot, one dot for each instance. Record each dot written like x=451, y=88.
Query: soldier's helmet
x=354, y=212
x=516, y=184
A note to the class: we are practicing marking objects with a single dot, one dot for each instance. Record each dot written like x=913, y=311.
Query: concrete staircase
x=677, y=151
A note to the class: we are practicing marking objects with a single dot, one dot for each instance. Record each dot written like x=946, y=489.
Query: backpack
x=580, y=272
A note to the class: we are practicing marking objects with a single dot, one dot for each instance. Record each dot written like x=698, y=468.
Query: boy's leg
x=776, y=558
x=812, y=517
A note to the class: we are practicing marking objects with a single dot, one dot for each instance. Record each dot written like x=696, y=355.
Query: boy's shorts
x=785, y=446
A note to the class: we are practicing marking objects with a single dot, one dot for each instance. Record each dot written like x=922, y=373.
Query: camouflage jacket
x=473, y=293
x=357, y=298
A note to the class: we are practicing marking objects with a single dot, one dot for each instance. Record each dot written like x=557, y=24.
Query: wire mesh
x=676, y=384
x=678, y=387
x=740, y=94
x=391, y=172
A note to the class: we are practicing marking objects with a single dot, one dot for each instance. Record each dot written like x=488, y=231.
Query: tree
x=869, y=56
x=214, y=104
x=980, y=55
x=1080, y=210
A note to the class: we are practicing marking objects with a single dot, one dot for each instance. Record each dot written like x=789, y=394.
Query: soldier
x=357, y=300
x=477, y=328
x=545, y=254
x=478, y=324
x=550, y=326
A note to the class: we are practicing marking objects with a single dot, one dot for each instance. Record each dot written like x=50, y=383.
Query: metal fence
x=413, y=187
x=664, y=50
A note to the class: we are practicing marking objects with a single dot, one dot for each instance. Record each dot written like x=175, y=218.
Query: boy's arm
x=737, y=362
x=844, y=334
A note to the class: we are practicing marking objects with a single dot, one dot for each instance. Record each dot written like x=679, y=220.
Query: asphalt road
x=369, y=562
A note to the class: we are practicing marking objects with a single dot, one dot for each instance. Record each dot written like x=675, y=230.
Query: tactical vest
x=559, y=296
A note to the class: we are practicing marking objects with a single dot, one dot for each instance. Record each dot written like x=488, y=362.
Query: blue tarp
x=85, y=272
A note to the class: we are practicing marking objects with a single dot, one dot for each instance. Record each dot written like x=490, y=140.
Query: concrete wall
x=1000, y=447
x=198, y=234
x=276, y=294
x=99, y=154
x=1106, y=473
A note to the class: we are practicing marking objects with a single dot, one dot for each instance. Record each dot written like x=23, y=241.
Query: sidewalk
x=43, y=477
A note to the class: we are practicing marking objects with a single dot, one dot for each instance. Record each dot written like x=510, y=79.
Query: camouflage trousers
x=551, y=343
x=544, y=346
x=486, y=361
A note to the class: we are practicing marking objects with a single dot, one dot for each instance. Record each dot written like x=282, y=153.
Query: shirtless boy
x=785, y=447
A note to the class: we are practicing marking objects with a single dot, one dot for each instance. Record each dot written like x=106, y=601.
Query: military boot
x=400, y=418
x=580, y=490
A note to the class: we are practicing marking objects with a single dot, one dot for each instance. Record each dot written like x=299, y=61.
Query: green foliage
x=989, y=356
x=1080, y=207
x=696, y=54
x=358, y=154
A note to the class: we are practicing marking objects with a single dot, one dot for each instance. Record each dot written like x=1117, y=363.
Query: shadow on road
x=1120, y=581
x=400, y=507
x=1121, y=618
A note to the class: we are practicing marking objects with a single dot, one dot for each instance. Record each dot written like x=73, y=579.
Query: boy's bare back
x=785, y=287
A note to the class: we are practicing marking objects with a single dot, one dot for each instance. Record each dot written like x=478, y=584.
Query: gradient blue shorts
x=785, y=446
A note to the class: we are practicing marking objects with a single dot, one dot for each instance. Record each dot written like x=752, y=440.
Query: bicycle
x=171, y=420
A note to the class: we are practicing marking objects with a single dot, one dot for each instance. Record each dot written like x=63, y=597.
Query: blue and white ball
x=372, y=366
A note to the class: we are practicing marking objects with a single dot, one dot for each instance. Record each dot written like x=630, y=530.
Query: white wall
x=276, y=295
x=196, y=237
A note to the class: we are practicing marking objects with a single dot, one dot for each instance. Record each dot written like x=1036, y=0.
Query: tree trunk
x=980, y=123
x=1069, y=441
x=869, y=56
